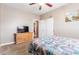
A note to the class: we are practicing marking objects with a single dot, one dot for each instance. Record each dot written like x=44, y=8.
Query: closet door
x=42, y=28
x=49, y=27
x=46, y=28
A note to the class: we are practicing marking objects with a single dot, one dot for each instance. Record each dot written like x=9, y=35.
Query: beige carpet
x=15, y=49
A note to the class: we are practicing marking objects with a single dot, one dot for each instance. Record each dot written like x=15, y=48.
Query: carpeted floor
x=15, y=49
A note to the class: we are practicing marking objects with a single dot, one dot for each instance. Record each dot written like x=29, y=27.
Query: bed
x=55, y=45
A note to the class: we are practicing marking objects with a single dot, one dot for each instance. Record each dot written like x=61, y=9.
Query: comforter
x=58, y=45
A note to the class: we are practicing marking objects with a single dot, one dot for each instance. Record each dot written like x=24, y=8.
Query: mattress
x=58, y=45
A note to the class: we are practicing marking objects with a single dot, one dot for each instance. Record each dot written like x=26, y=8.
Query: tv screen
x=23, y=29
x=26, y=28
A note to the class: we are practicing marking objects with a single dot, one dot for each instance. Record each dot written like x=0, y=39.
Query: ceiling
x=34, y=9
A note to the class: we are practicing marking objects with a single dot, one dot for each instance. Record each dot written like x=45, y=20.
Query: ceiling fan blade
x=32, y=3
x=48, y=4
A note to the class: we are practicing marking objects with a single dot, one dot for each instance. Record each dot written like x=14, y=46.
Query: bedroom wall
x=10, y=18
x=0, y=24
x=62, y=28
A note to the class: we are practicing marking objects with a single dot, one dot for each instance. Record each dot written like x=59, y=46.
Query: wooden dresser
x=23, y=37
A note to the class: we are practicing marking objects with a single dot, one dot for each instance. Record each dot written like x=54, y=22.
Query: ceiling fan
x=40, y=5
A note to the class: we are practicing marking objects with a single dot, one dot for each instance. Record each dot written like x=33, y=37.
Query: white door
x=46, y=27
x=42, y=28
x=49, y=27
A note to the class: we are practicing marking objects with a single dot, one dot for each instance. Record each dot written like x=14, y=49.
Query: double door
x=46, y=28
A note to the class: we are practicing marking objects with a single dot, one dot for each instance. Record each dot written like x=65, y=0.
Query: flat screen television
x=26, y=28
x=23, y=29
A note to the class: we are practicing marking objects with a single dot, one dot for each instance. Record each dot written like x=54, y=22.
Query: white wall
x=62, y=28
x=10, y=18
x=0, y=24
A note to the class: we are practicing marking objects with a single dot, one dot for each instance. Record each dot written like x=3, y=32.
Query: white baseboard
x=3, y=44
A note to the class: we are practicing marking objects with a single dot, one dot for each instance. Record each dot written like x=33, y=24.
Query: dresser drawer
x=23, y=37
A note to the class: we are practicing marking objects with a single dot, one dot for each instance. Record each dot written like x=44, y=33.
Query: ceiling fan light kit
x=40, y=5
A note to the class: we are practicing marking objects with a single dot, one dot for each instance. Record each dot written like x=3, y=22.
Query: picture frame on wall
x=72, y=16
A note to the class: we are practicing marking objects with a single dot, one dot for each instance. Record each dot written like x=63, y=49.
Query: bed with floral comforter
x=57, y=45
